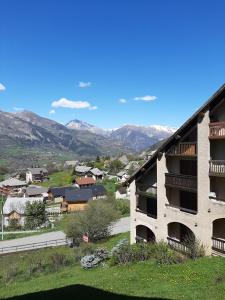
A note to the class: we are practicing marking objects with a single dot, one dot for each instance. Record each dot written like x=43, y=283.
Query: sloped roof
x=17, y=204
x=12, y=182
x=35, y=190
x=37, y=171
x=60, y=191
x=79, y=195
x=82, y=169
x=213, y=101
x=85, y=181
x=97, y=190
x=96, y=171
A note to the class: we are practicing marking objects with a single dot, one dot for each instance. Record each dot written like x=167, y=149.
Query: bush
x=196, y=249
x=83, y=250
x=164, y=255
x=14, y=225
x=35, y=214
x=58, y=260
x=95, y=259
x=95, y=221
x=11, y=272
x=122, y=206
x=35, y=264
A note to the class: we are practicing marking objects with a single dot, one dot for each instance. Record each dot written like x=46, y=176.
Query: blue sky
x=168, y=55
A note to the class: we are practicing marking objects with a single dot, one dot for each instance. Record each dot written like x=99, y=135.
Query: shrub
x=58, y=260
x=164, y=255
x=95, y=259
x=11, y=272
x=122, y=206
x=196, y=249
x=35, y=264
x=35, y=214
x=14, y=225
x=83, y=250
x=95, y=221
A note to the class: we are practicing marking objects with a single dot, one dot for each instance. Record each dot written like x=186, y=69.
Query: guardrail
x=33, y=246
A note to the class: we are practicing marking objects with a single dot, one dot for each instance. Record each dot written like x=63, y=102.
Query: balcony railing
x=217, y=130
x=149, y=214
x=183, y=149
x=187, y=210
x=184, y=182
x=146, y=190
x=217, y=167
x=218, y=245
x=177, y=245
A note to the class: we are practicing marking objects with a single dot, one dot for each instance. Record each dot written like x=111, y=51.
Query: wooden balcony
x=177, y=245
x=217, y=168
x=183, y=149
x=218, y=245
x=147, y=191
x=182, y=182
x=217, y=130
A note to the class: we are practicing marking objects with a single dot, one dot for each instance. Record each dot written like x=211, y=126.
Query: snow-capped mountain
x=136, y=137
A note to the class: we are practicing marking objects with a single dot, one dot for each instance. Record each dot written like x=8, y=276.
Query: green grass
x=59, y=179
x=200, y=279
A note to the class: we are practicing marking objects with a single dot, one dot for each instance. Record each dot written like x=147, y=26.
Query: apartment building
x=180, y=190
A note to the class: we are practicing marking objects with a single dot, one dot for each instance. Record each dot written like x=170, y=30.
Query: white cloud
x=63, y=102
x=93, y=107
x=52, y=112
x=122, y=100
x=84, y=84
x=2, y=87
x=146, y=98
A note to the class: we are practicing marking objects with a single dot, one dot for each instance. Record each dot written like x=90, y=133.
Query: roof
x=97, y=190
x=85, y=181
x=121, y=173
x=79, y=195
x=17, y=204
x=82, y=169
x=213, y=101
x=60, y=191
x=12, y=182
x=35, y=190
x=71, y=162
x=122, y=190
x=123, y=159
x=37, y=171
x=96, y=171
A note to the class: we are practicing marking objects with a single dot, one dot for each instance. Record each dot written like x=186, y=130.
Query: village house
x=75, y=200
x=36, y=174
x=71, y=163
x=98, y=191
x=82, y=170
x=14, y=208
x=95, y=173
x=36, y=191
x=122, y=193
x=57, y=194
x=16, y=186
x=84, y=182
x=180, y=192
x=122, y=175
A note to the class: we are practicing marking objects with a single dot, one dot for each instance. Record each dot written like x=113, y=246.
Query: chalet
x=14, y=208
x=122, y=193
x=98, y=191
x=95, y=173
x=84, y=182
x=36, y=174
x=123, y=176
x=180, y=191
x=14, y=185
x=36, y=191
x=57, y=194
x=82, y=170
x=75, y=200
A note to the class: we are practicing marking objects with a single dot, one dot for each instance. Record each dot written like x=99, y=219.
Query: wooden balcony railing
x=187, y=210
x=218, y=245
x=177, y=245
x=183, y=149
x=146, y=190
x=185, y=182
x=217, y=130
x=217, y=168
x=149, y=214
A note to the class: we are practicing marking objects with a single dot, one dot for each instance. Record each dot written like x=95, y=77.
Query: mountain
x=134, y=137
x=81, y=125
x=26, y=137
x=139, y=138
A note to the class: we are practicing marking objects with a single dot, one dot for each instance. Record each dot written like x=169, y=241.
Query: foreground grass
x=199, y=279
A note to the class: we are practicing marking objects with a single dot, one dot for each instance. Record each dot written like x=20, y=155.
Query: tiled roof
x=85, y=181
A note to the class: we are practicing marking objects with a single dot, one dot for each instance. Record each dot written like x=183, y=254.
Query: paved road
x=123, y=225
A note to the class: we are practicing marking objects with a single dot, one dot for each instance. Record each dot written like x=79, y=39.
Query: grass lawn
x=200, y=279
x=59, y=179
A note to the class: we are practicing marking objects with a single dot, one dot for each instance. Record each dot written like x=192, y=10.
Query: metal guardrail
x=33, y=246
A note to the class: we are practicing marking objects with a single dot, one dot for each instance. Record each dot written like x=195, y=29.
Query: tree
x=115, y=166
x=35, y=214
x=94, y=221
x=97, y=160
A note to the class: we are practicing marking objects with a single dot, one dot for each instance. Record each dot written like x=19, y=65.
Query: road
x=46, y=239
